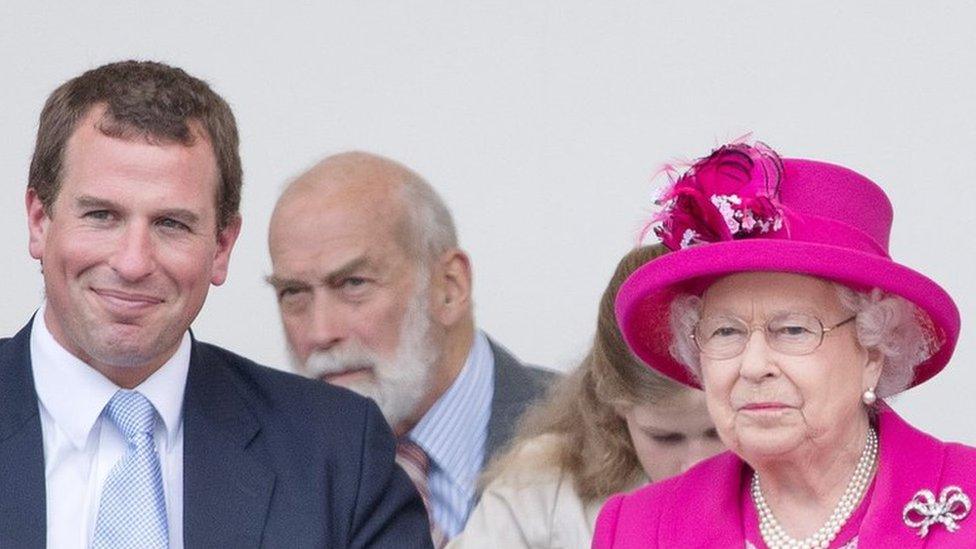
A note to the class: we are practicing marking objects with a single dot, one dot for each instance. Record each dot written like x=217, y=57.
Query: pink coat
x=701, y=508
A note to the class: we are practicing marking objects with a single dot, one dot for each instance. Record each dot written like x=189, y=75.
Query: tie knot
x=132, y=413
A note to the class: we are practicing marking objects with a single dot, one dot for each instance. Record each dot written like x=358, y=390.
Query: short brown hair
x=142, y=99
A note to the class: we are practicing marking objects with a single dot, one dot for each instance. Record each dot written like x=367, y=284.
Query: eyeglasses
x=794, y=334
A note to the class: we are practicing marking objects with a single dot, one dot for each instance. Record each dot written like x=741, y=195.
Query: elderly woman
x=782, y=303
x=609, y=426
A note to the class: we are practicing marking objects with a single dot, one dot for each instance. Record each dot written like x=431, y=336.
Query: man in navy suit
x=117, y=427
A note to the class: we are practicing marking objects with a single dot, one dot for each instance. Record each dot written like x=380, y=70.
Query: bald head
x=355, y=168
x=381, y=189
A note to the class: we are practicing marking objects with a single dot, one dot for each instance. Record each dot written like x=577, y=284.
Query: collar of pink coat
x=909, y=461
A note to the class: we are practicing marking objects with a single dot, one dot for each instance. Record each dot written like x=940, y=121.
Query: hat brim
x=644, y=300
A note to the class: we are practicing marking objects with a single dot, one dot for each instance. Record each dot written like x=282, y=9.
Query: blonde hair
x=590, y=439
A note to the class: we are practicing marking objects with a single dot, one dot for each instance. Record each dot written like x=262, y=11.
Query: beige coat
x=531, y=506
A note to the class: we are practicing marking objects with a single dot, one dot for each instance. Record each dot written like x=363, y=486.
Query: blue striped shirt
x=454, y=433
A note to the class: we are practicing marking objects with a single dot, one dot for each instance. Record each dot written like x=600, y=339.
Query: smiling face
x=129, y=248
x=771, y=405
x=672, y=435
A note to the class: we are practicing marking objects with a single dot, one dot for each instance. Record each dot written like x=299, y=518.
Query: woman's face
x=672, y=435
x=768, y=404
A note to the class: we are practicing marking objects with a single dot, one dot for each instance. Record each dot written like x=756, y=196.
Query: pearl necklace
x=776, y=537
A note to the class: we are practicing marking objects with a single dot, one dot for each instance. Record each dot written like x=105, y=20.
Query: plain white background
x=541, y=123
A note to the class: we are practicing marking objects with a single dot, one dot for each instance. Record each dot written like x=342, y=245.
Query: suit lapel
x=226, y=488
x=908, y=461
x=501, y=404
x=22, y=484
x=513, y=389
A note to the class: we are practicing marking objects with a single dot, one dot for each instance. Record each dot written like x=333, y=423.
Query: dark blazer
x=269, y=460
x=516, y=387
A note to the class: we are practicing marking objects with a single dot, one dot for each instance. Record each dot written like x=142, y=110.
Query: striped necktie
x=132, y=511
x=415, y=462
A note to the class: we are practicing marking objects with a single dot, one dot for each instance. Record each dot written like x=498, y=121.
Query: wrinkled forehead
x=326, y=232
x=766, y=293
x=331, y=209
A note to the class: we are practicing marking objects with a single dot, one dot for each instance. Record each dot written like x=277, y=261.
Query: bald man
x=375, y=296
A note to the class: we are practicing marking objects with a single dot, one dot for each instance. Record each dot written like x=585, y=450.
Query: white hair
x=401, y=381
x=684, y=316
x=430, y=229
x=886, y=323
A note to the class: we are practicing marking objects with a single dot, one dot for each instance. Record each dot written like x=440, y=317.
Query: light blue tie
x=132, y=512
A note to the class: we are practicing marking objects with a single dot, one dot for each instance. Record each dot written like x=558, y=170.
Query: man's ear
x=37, y=223
x=451, y=287
x=226, y=238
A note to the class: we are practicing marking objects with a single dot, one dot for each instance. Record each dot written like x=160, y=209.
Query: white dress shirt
x=81, y=445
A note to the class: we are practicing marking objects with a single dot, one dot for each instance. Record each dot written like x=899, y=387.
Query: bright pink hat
x=743, y=208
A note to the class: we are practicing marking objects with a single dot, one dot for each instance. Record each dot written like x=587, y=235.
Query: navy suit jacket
x=269, y=460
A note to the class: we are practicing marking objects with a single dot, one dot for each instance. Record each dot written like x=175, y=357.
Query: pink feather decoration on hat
x=730, y=194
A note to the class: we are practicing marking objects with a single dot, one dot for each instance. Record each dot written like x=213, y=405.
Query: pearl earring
x=869, y=397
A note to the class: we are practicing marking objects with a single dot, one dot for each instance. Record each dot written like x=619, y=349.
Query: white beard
x=398, y=384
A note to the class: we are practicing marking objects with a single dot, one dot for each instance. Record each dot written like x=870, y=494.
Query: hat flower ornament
x=730, y=194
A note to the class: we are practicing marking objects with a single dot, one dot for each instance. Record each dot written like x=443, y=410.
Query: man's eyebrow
x=332, y=278
x=345, y=270
x=180, y=214
x=87, y=201
x=280, y=282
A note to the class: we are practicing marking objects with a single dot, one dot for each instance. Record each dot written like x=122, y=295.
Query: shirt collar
x=75, y=394
x=454, y=430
